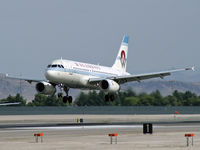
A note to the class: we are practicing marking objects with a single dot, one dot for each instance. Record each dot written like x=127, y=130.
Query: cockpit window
x=53, y=66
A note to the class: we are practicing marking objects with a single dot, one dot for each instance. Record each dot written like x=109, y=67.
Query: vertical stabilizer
x=121, y=60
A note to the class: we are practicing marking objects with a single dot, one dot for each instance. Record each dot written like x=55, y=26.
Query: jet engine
x=45, y=88
x=109, y=86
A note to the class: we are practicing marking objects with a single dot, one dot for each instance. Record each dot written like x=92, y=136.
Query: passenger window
x=54, y=66
x=48, y=66
x=59, y=66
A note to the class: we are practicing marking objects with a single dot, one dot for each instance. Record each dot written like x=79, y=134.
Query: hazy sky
x=164, y=34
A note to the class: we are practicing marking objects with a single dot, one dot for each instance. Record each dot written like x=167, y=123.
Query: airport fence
x=101, y=110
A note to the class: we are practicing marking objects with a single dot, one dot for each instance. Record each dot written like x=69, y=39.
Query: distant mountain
x=12, y=87
x=166, y=87
x=189, y=76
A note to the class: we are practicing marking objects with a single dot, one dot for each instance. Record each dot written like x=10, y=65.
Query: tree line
x=127, y=98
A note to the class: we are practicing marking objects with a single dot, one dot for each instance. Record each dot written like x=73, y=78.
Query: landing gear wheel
x=60, y=95
x=65, y=99
x=70, y=99
x=109, y=97
x=112, y=97
x=106, y=98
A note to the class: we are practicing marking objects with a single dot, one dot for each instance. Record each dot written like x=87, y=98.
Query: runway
x=165, y=136
x=92, y=127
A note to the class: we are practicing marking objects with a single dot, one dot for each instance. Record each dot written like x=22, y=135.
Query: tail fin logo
x=123, y=58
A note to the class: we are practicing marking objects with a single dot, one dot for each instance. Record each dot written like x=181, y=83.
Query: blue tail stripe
x=125, y=40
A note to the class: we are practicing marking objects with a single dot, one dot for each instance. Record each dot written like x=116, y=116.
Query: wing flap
x=138, y=78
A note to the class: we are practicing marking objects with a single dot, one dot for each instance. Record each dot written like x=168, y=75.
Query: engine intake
x=109, y=86
x=104, y=84
x=45, y=88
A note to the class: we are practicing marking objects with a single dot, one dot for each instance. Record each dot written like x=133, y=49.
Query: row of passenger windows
x=54, y=66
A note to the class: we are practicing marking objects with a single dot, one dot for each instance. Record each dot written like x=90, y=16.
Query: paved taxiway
x=166, y=136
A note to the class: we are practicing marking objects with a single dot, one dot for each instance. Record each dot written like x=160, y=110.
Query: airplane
x=66, y=74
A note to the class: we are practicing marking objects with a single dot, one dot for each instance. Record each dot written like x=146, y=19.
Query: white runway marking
x=80, y=127
x=92, y=127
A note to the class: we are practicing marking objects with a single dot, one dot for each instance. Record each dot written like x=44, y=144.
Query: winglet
x=192, y=68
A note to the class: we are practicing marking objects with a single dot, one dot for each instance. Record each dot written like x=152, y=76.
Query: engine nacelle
x=45, y=88
x=109, y=86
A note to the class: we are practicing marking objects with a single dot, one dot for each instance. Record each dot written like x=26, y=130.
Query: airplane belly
x=66, y=78
x=78, y=81
x=72, y=80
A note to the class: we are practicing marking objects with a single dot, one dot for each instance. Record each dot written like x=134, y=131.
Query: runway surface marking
x=80, y=127
x=93, y=127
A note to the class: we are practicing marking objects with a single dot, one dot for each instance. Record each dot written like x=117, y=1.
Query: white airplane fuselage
x=75, y=74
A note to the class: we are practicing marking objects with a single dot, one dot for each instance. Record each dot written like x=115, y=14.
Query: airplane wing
x=6, y=104
x=21, y=78
x=139, y=77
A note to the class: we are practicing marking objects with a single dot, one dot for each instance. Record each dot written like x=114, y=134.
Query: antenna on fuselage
x=61, y=60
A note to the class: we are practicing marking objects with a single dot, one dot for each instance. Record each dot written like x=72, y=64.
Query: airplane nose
x=49, y=74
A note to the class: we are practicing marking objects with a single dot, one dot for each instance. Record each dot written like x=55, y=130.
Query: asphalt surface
x=17, y=132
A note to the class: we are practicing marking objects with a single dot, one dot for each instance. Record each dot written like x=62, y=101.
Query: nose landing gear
x=60, y=95
x=66, y=98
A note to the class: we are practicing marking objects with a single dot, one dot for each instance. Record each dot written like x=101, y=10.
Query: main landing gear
x=66, y=98
x=109, y=97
